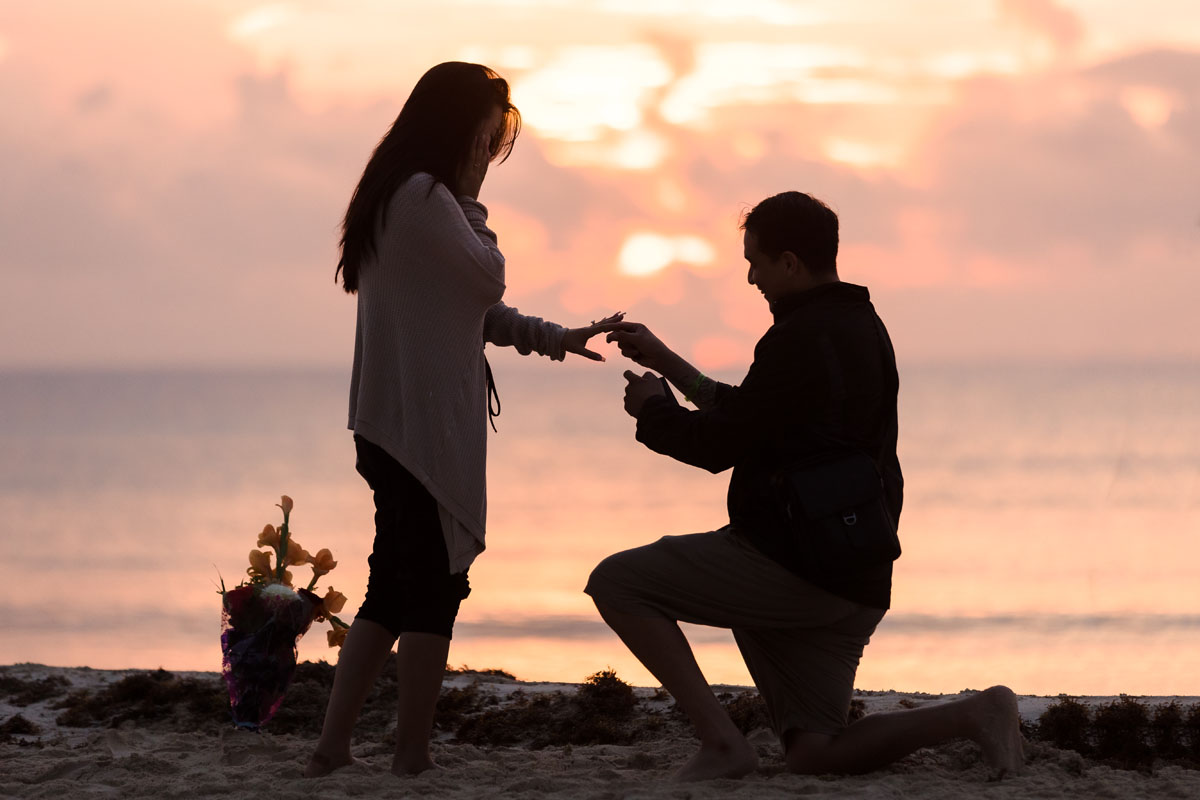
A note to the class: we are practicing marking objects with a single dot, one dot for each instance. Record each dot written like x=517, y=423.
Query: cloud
x=96, y=99
x=177, y=244
x=1045, y=18
x=1022, y=167
x=147, y=236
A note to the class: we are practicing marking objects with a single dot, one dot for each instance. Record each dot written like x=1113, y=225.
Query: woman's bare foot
x=320, y=764
x=405, y=767
x=996, y=726
x=728, y=760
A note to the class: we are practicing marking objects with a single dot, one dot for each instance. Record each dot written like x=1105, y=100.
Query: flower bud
x=333, y=602
x=296, y=554
x=322, y=562
x=260, y=564
x=269, y=537
x=337, y=635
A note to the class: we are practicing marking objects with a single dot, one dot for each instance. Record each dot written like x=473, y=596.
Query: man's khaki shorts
x=801, y=643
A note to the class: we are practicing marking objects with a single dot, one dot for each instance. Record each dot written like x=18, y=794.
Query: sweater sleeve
x=503, y=325
x=453, y=233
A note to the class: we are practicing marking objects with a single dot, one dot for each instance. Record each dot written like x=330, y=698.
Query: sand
x=182, y=753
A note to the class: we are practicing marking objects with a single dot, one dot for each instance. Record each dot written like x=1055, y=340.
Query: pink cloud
x=135, y=235
x=1059, y=25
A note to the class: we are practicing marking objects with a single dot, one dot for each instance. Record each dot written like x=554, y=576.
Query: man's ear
x=791, y=262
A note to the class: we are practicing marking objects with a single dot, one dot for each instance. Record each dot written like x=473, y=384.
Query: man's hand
x=639, y=389
x=640, y=346
x=575, y=339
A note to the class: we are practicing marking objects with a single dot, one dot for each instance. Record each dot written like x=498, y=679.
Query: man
x=823, y=379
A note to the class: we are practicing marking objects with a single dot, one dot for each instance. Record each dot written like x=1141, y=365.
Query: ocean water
x=1051, y=528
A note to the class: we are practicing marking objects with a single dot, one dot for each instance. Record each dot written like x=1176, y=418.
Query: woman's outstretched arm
x=505, y=326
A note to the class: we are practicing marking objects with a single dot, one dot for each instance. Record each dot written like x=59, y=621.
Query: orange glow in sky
x=1012, y=175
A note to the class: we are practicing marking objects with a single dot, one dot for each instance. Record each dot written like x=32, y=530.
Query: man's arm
x=641, y=346
x=769, y=402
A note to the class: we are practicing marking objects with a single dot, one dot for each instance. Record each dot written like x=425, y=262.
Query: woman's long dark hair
x=433, y=133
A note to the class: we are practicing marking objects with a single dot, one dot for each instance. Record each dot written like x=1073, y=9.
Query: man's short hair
x=797, y=223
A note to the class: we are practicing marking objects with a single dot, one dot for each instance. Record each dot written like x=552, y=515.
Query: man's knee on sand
x=807, y=753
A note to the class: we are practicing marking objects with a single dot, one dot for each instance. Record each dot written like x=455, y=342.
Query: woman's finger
x=617, y=317
x=602, y=327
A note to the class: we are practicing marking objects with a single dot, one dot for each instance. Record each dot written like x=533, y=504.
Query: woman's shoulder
x=422, y=184
x=422, y=191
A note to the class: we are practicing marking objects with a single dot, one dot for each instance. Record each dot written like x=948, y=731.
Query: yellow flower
x=322, y=562
x=287, y=579
x=285, y=503
x=336, y=635
x=296, y=554
x=269, y=537
x=334, y=601
x=260, y=565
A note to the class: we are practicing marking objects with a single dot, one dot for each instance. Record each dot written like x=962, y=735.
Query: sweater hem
x=460, y=557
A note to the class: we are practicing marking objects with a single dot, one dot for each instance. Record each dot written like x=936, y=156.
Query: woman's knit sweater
x=427, y=302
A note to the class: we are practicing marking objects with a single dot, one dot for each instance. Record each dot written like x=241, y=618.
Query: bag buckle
x=849, y=518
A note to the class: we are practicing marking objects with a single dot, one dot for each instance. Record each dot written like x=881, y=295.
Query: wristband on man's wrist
x=694, y=389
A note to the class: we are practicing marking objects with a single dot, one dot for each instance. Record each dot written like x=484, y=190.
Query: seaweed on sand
x=1121, y=730
x=746, y=709
x=601, y=711
x=22, y=692
x=1191, y=733
x=1124, y=733
x=157, y=695
x=1167, y=732
x=1065, y=725
x=14, y=726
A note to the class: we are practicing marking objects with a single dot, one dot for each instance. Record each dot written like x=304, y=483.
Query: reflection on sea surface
x=1050, y=527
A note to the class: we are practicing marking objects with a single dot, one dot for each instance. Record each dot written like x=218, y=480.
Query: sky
x=1016, y=179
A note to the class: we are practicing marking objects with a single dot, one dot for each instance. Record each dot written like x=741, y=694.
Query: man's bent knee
x=607, y=578
x=806, y=753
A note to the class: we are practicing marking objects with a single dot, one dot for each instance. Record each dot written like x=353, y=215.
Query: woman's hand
x=640, y=346
x=575, y=339
x=474, y=167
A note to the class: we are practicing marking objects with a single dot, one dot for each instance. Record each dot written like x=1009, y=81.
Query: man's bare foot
x=731, y=760
x=320, y=764
x=406, y=767
x=993, y=717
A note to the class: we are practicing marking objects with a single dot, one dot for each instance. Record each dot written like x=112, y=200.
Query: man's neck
x=796, y=296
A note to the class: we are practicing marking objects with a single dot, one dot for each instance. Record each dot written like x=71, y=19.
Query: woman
x=429, y=277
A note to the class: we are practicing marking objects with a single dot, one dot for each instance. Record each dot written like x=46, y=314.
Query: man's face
x=770, y=275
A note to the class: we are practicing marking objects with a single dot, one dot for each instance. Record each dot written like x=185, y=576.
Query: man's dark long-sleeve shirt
x=823, y=380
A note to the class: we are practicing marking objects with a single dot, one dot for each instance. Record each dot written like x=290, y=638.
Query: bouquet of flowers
x=264, y=618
